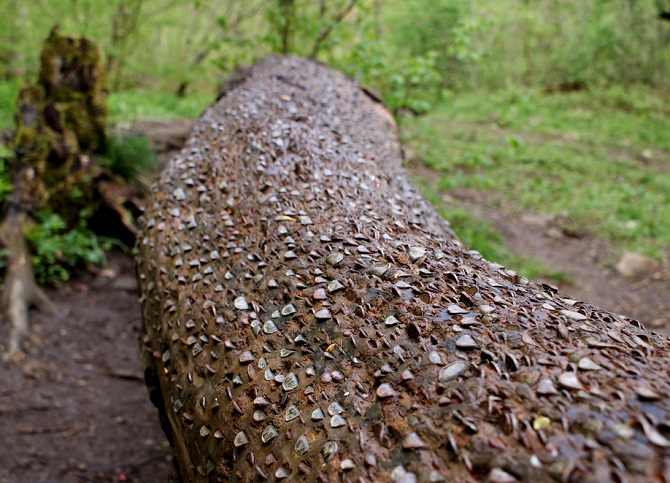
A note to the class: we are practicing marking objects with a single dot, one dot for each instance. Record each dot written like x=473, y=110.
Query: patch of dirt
x=586, y=260
x=75, y=408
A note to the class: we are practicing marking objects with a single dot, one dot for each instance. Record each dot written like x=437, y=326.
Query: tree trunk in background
x=286, y=13
x=309, y=316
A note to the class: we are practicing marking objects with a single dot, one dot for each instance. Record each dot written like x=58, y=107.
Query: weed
x=58, y=253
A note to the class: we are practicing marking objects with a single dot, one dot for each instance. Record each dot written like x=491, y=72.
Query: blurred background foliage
x=395, y=46
x=525, y=99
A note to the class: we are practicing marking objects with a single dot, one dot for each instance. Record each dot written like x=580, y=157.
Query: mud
x=76, y=408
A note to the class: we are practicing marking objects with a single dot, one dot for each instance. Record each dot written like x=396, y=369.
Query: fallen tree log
x=309, y=316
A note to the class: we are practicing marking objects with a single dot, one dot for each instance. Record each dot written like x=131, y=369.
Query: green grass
x=128, y=106
x=600, y=160
x=131, y=106
x=131, y=158
x=8, y=92
x=633, y=118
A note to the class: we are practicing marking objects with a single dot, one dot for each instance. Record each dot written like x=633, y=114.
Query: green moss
x=73, y=75
x=60, y=118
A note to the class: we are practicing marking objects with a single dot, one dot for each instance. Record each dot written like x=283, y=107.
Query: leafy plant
x=131, y=158
x=59, y=253
x=414, y=85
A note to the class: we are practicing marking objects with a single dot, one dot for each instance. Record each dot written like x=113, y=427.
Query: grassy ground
x=126, y=106
x=136, y=105
x=600, y=161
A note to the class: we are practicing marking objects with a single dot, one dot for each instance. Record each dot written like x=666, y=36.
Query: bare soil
x=75, y=407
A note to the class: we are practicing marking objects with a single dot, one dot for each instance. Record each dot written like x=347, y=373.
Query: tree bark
x=286, y=13
x=309, y=316
x=20, y=290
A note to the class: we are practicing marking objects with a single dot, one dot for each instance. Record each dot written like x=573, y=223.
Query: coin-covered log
x=309, y=316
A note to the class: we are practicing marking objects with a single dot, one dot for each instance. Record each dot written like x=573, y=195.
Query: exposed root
x=20, y=289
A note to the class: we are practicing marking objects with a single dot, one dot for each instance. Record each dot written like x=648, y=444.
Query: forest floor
x=75, y=408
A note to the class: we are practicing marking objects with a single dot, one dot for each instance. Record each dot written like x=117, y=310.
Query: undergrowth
x=130, y=158
x=59, y=252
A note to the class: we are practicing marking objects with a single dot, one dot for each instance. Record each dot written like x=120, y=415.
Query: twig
x=47, y=430
x=128, y=376
x=75, y=430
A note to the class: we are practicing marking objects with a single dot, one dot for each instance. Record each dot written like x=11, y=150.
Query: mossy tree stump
x=60, y=121
x=60, y=127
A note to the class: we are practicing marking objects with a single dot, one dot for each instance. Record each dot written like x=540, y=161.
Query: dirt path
x=584, y=260
x=76, y=408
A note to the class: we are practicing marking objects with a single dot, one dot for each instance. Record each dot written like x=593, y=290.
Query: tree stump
x=309, y=316
x=60, y=124
x=60, y=120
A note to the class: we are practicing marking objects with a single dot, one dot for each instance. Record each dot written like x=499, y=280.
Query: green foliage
x=59, y=253
x=131, y=158
x=443, y=30
x=413, y=85
x=161, y=44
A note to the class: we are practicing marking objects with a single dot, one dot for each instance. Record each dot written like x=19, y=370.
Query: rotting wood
x=308, y=316
x=60, y=121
